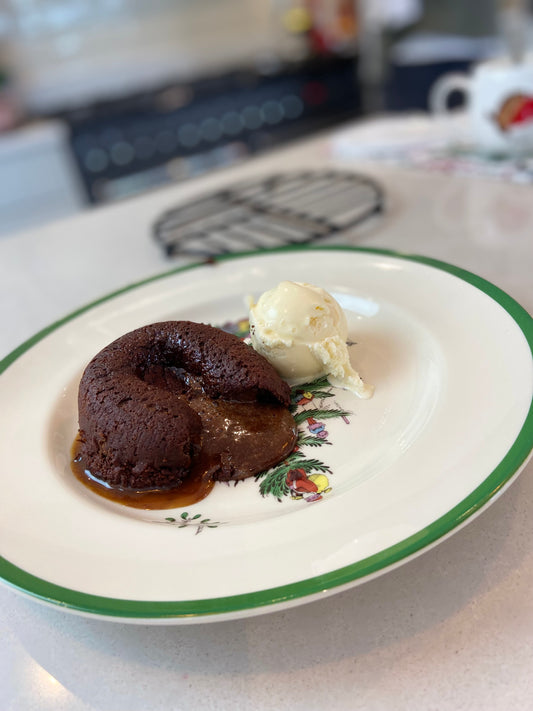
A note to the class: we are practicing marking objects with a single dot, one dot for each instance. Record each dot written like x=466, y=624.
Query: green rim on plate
x=503, y=473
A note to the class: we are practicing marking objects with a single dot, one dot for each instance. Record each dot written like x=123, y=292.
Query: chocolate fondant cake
x=166, y=398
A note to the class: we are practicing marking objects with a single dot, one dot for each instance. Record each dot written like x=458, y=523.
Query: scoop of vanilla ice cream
x=302, y=331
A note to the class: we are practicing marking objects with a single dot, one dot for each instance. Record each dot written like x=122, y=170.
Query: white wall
x=69, y=51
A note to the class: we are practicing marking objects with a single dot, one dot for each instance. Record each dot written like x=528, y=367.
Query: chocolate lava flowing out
x=166, y=410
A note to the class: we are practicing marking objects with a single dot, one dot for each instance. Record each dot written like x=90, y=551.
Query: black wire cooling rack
x=281, y=209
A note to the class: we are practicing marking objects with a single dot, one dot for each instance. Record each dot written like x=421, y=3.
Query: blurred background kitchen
x=101, y=100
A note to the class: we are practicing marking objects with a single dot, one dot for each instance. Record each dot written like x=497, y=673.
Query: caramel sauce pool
x=195, y=488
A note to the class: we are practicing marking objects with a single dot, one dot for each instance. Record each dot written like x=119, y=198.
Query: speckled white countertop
x=450, y=630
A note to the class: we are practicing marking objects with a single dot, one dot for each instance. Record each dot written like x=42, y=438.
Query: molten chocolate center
x=238, y=440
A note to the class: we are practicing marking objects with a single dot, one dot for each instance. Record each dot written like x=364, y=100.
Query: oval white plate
x=450, y=425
